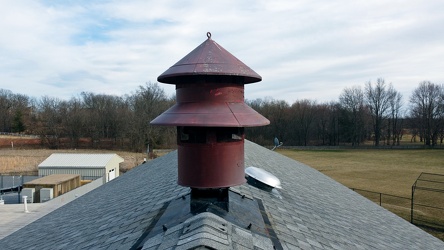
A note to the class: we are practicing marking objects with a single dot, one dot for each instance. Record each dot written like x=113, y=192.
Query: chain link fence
x=396, y=204
x=427, y=204
x=425, y=207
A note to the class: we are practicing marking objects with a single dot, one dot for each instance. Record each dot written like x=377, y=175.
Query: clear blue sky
x=302, y=49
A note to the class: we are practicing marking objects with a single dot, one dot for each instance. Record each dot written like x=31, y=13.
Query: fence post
x=411, y=206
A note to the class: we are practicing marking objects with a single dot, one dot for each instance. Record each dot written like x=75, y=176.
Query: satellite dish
x=263, y=176
x=276, y=143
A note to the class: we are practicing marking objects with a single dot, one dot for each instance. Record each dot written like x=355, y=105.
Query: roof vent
x=261, y=178
x=210, y=115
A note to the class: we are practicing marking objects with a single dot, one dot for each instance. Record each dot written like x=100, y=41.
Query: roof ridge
x=207, y=230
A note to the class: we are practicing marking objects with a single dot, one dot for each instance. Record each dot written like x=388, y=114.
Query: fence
x=18, y=135
x=425, y=208
x=11, y=185
x=396, y=204
x=427, y=204
x=13, y=181
x=341, y=147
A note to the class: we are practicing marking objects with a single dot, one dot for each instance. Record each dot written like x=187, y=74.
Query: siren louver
x=210, y=115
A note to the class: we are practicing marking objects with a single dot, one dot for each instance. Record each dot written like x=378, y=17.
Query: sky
x=302, y=49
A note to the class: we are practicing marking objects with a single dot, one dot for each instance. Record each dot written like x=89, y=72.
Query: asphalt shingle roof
x=207, y=229
x=311, y=211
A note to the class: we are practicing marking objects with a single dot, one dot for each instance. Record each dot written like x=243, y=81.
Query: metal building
x=88, y=166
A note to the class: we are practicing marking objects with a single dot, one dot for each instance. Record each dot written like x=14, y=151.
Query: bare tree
x=323, y=118
x=278, y=115
x=5, y=110
x=441, y=115
x=145, y=104
x=103, y=117
x=277, y=111
x=31, y=117
x=74, y=121
x=333, y=127
x=427, y=106
x=303, y=113
x=13, y=111
x=261, y=135
x=378, y=101
x=19, y=110
x=352, y=101
x=395, y=119
x=50, y=121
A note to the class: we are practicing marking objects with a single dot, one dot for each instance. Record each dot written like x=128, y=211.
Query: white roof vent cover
x=263, y=176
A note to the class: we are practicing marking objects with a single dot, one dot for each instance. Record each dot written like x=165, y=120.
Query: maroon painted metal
x=210, y=115
x=211, y=165
x=209, y=58
x=209, y=106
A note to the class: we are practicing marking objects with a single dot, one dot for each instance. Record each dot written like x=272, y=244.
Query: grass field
x=22, y=154
x=27, y=160
x=383, y=171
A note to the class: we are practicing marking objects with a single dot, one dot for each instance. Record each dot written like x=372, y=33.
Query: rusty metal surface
x=211, y=105
x=211, y=165
x=209, y=58
x=211, y=115
x=210, y=92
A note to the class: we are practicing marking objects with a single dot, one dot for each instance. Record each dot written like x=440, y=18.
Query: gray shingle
x=261, y=242
x=207, y=230
x=242, y=237
x=312, y=211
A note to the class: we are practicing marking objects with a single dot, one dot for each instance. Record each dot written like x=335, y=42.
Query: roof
x=78, y=160
x=311, y=211
x=52, y=179
x=209, y=59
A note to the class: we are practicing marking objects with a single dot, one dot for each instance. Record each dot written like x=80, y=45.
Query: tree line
x=376, y=112
x=103, y=120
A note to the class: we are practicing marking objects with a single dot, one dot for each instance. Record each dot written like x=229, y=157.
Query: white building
x=88, y=166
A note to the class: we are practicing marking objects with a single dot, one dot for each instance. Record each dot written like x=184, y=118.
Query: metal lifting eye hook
x=209, y=35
